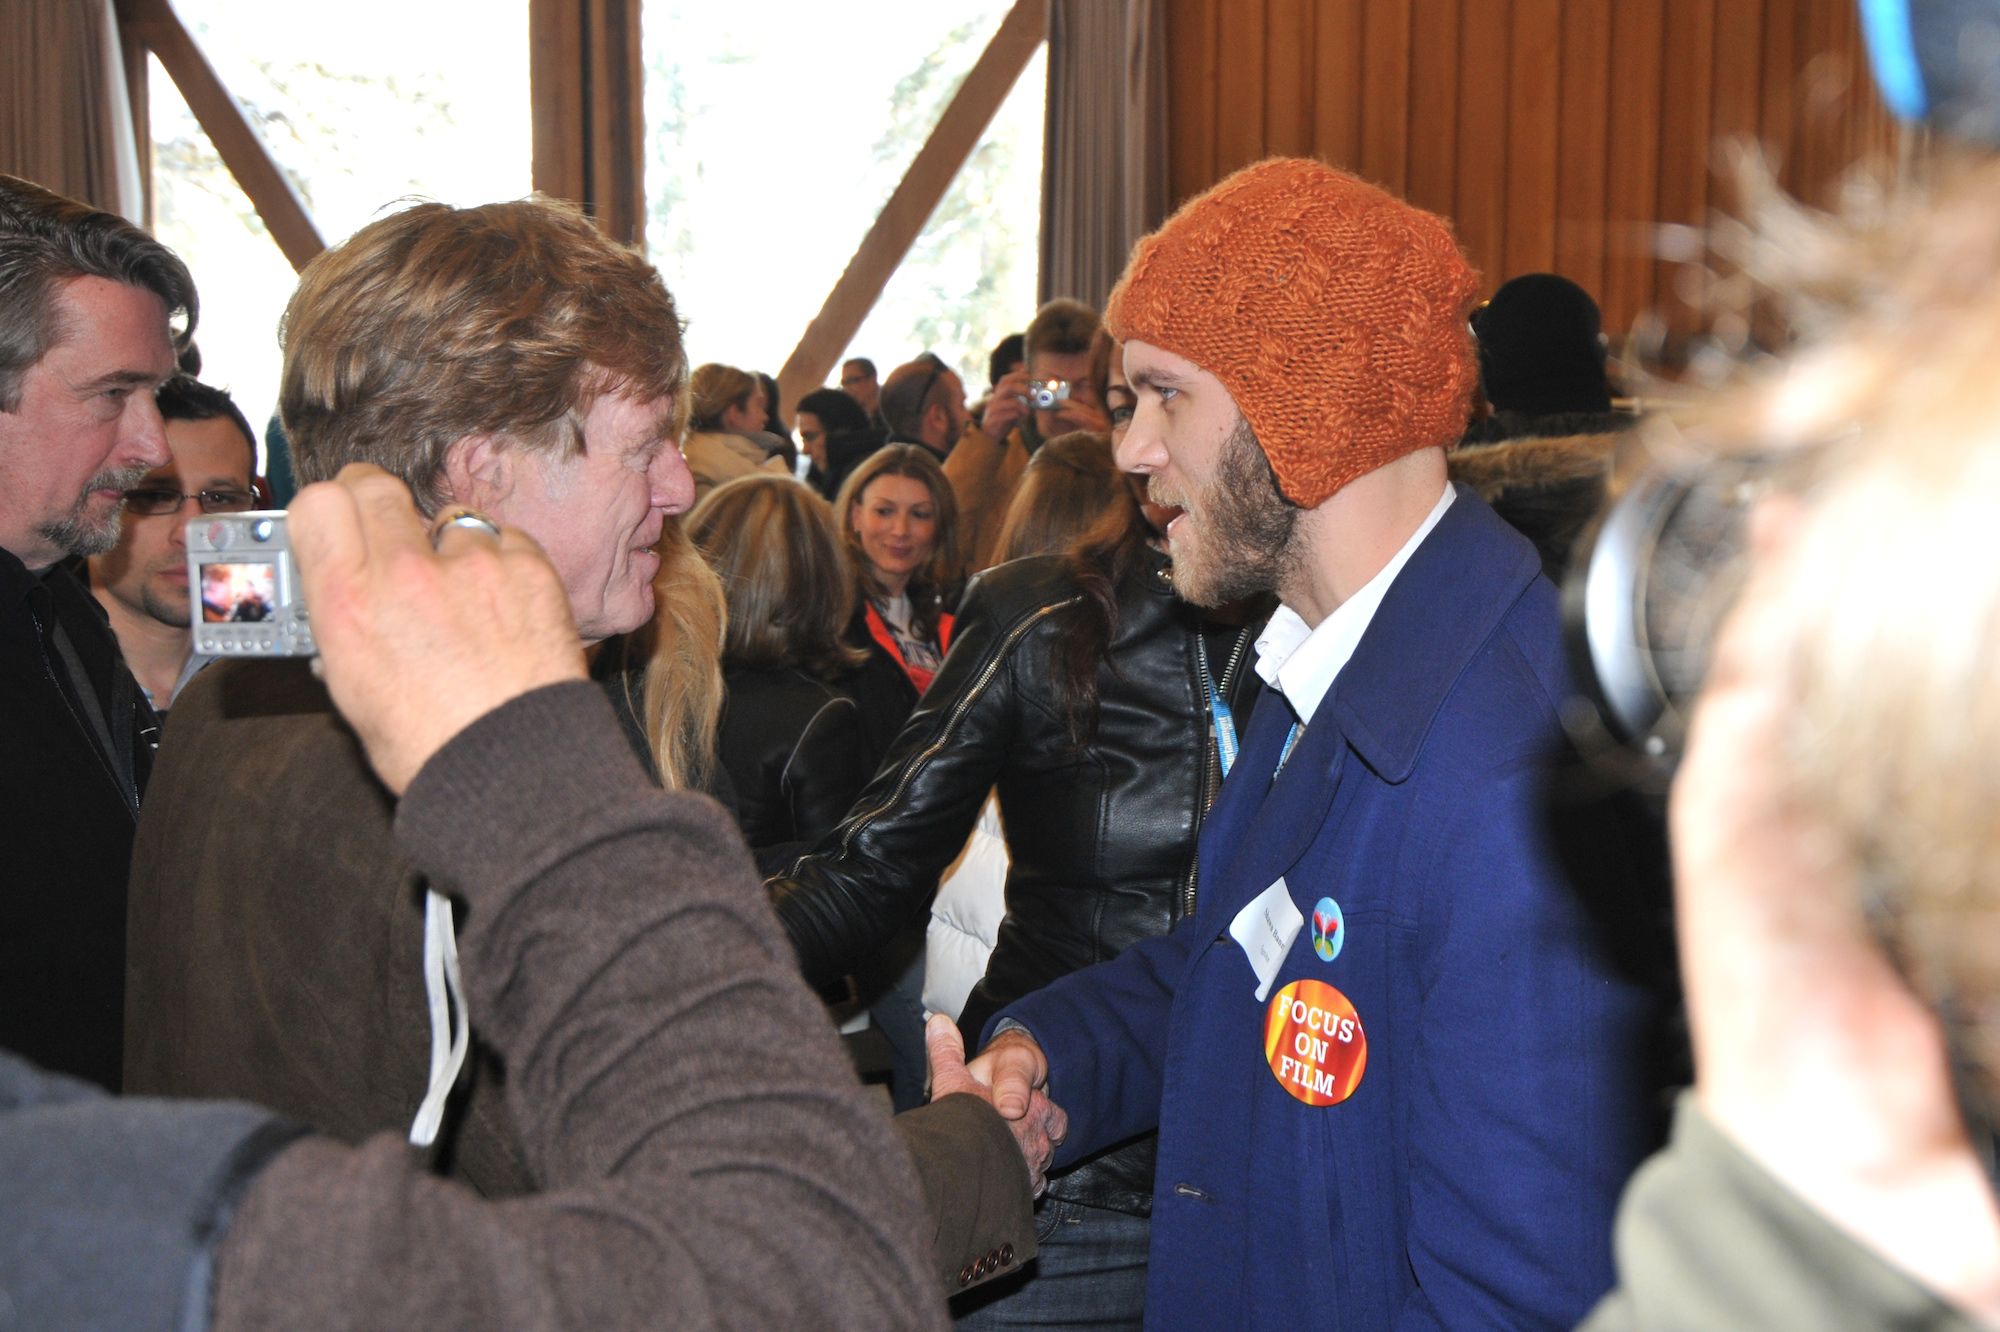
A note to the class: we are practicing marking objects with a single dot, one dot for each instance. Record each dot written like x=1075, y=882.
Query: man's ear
x=479, y=470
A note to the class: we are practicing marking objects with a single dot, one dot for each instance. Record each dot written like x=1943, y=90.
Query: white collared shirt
x=1301, y=662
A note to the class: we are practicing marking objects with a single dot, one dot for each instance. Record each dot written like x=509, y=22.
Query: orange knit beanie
x=1332, y=311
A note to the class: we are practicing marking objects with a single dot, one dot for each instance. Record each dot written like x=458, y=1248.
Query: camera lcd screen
x=238, y=593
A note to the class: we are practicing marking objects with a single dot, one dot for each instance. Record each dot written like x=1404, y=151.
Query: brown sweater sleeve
x=977, y=1188
x=708, y=1159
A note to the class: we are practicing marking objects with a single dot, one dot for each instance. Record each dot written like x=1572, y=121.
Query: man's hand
x=1008, y=406
x=1013, y=1065
x=415, y=643
x=1038, y=1129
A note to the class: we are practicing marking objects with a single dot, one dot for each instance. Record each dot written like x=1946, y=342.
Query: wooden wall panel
x=1385, y=93
x=1778, y=77
x=1480, y=204
x=1337, y=98
x=1196, y=66
x=1557, y=134
x=1433, y=149
x=1240, y=79
x=1638, y=39
x=1288, y=84
x=1534, y=69
x=1687, y=75
x=1583, y=143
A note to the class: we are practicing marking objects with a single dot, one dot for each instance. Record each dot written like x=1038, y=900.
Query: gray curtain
x=65, y=115
x=1104, y=164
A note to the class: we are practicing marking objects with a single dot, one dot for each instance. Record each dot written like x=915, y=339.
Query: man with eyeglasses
x=142, y=582
x=857, y=378
x=91, y=312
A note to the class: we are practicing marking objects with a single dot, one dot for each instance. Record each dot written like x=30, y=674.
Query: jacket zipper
x=971, y=696
x=1211, y=770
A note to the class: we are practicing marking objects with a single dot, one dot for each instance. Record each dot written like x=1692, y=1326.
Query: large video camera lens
x=1652, y=578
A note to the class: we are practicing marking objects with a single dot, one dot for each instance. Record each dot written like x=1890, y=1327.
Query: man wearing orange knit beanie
x=1396, y=1081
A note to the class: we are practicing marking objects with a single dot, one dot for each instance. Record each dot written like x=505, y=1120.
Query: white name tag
x=1266, y=928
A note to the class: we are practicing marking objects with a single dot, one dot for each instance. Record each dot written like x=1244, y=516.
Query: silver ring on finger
x=460, y=516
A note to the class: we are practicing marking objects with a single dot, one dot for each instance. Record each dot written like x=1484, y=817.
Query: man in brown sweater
x=705, y=1155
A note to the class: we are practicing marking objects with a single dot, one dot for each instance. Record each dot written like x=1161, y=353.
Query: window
x=363, y=104
x=775, y=133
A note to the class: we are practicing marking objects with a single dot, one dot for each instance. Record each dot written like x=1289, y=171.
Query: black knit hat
x=1539, y=349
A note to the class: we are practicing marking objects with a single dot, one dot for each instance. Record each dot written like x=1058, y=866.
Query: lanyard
x=1291, y=738
x=1224, y=720
x=1219, y=714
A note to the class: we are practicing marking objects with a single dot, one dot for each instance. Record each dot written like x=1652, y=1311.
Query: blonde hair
x=680, y=701
x=436, y=323
x=784, y=572
x=1890, y=606
x=713, y=390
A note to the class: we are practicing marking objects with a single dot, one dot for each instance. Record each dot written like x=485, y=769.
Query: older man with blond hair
x=506, y=358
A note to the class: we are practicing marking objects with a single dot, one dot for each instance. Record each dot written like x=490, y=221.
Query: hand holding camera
x=1008, y=406
x=417, y=642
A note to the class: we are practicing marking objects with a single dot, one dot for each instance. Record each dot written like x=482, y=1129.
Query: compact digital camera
x=1046, y=393
x=244, y=587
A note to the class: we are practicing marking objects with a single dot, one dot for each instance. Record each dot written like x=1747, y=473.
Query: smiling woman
x=899, y=519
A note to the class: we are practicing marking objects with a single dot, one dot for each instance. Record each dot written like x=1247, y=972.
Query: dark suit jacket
x=79, y=746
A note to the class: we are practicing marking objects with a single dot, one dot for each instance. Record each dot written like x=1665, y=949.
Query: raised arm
x=878, y=869
x=706, y=1156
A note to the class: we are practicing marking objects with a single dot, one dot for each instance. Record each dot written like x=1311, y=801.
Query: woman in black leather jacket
x=1079, y=687
x=790, y=737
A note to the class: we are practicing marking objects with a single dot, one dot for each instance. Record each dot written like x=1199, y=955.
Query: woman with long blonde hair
x=790, y=736
x=665, y=678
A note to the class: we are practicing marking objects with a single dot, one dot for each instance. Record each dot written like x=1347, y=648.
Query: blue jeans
x=1090, y=1272
x=899, y=1015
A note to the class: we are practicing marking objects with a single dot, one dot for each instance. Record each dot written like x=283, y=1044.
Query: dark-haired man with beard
x=142, y=582
x=88, y=307
x=1395, y=1078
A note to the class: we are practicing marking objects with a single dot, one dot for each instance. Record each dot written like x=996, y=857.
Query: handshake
x=418, y=640
x=1011, y=1076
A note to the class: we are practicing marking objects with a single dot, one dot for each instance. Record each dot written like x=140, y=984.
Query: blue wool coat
x=1470, y=1178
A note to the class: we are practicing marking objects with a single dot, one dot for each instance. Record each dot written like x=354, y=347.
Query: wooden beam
x=617, y=120
x=586, y=81
x=270, y=191
x=915, y=198
x=138, y=98
x=557, y=90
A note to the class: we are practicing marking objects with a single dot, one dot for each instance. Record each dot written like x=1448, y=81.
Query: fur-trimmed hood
x=1548, y=488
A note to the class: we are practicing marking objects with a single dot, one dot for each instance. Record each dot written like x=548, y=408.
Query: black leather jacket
x=793, y=750
x=1100, y=838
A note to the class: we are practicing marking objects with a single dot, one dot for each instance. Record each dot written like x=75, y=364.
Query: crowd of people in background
x=1171, y=759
